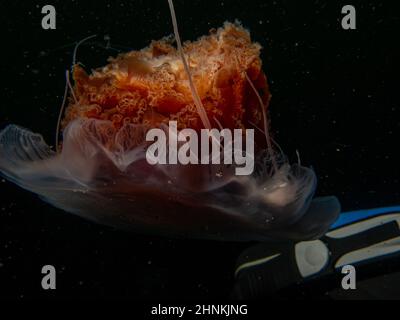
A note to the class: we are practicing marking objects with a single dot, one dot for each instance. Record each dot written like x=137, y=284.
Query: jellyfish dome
x=100, y=170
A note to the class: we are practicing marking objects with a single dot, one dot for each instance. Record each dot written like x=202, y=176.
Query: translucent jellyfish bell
x=121, y=189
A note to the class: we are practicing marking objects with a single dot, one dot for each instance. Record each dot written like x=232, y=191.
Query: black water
x=335, y=99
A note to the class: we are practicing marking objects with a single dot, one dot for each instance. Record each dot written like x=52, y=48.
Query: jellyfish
x=98, y=169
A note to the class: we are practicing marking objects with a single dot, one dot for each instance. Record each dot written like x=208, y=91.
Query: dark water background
x=335, y=99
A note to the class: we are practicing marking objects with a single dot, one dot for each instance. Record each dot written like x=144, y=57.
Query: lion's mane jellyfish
x=99, y=170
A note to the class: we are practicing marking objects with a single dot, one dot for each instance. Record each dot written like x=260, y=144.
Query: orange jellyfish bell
x=101, y=172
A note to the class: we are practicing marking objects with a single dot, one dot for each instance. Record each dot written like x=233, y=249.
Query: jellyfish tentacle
x=266, y=129
x=77, y=46
x=199, y=105
x=298, y=157
x=71, y=88
x=60, y=114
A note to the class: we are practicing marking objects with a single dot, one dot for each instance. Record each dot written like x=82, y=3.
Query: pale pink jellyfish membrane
x=123, y=190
